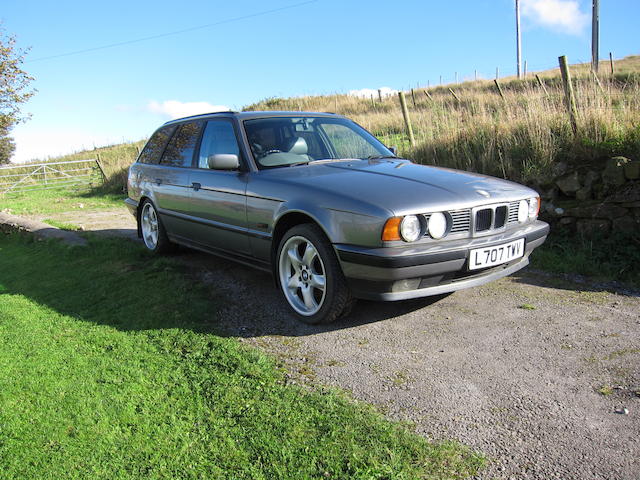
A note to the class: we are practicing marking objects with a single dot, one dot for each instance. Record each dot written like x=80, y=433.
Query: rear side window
x=218, y=137
x=179, y=152
x=155, y=146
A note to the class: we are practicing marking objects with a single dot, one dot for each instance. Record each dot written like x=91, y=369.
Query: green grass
x=53, y=201
x=111, y=368
x=603, y=257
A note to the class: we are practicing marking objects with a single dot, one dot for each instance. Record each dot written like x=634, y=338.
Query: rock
x=559, y=169
x=549, y=193
x=558, y=211
x=600, y=210
x=613, y=173
x=622, y=411
x=590, y=178
x=569, y=183
x=627, y=194
x=590, y=226
x=626, y=224
x=632, y=170
x=584, y=193
x=567, y=221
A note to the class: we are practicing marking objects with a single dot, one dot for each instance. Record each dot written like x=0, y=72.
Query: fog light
x=405, y=285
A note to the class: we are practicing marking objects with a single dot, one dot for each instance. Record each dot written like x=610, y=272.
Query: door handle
x=196, y=186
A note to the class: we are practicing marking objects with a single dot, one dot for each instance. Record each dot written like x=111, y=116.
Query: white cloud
x=176, y=109
x=367, y=92
x=563, y=15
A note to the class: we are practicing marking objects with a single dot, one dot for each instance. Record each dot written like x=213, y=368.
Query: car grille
x=483, y=219
x=513, y=213
x=486, y=219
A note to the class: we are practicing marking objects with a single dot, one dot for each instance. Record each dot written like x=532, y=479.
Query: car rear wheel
x=310, y=277
x=153, y=233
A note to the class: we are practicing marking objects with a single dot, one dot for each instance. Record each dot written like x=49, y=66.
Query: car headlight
x=523, y=211
x=437, y=225
x=534, y=207
x=410, y=228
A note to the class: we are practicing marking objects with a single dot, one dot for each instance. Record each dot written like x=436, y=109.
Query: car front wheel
x=310, y=277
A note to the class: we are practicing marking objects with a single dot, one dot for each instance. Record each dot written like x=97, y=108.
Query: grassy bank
x=111, y=368
x=519, y=137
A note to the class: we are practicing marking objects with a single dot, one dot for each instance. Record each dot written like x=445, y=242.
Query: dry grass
x=519, y=138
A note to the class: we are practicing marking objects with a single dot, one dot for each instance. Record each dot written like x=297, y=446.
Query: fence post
x=611, y=62
x=499, y=88
x=380, y=95
x=525, y=69
x=428, y=95
x=104, y=177
x=454, y=95
x=542, y=85
x=407, y=120
x=497, y=73
x=413, y=97
x=568, y=92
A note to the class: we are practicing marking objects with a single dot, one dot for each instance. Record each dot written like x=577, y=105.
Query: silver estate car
x=318, y=201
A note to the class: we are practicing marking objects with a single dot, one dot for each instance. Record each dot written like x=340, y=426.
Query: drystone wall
x=592, y=200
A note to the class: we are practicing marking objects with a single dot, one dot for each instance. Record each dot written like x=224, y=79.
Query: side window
x=179, y=152
x=155, y=146
x=218, y=137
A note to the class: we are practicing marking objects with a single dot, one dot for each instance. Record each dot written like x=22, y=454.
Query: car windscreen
x=285, y=141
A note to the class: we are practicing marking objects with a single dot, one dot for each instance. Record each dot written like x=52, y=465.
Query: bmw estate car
x=328, y=209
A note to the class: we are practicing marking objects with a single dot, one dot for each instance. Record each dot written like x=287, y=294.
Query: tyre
x=310, y=277
x=152, y=231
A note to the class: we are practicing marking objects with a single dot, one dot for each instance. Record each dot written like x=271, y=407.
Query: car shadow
x=253, y=306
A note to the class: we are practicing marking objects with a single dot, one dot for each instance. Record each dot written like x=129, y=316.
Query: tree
x=14, y=91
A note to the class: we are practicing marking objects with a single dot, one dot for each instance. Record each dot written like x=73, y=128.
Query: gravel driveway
x=530, y=370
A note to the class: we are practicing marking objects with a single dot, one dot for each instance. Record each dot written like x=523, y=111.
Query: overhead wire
x=177, y=32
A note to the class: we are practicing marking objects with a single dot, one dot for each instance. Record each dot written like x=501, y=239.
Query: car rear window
x=156, y=144
x=179, y=152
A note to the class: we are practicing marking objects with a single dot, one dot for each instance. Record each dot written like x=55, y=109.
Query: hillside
x=518, y=137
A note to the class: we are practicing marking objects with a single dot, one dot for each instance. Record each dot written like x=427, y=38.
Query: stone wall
x=591, y=200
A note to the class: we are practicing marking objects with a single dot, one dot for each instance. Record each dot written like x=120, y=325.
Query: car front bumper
x=400, y=273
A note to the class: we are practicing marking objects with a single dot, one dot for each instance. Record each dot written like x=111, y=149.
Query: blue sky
x=123, y=93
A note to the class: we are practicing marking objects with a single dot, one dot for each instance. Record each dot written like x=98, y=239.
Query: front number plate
x=490, y=256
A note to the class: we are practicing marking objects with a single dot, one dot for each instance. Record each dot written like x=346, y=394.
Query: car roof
x=255, y=114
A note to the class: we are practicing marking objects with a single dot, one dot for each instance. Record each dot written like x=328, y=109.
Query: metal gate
x=44, y=176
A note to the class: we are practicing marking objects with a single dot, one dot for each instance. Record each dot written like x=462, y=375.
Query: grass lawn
x=111, y=368
x=52, y=201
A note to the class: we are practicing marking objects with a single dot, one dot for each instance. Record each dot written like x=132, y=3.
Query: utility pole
x=518, y=39
x=595, y=34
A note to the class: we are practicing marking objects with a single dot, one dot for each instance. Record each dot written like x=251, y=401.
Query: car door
x=218, y=199
x=170, y=180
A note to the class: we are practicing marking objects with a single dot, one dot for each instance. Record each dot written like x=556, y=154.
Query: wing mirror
x=223, y=161
x=394, y=150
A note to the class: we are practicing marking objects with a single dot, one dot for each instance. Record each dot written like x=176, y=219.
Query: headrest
x=297, y=145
